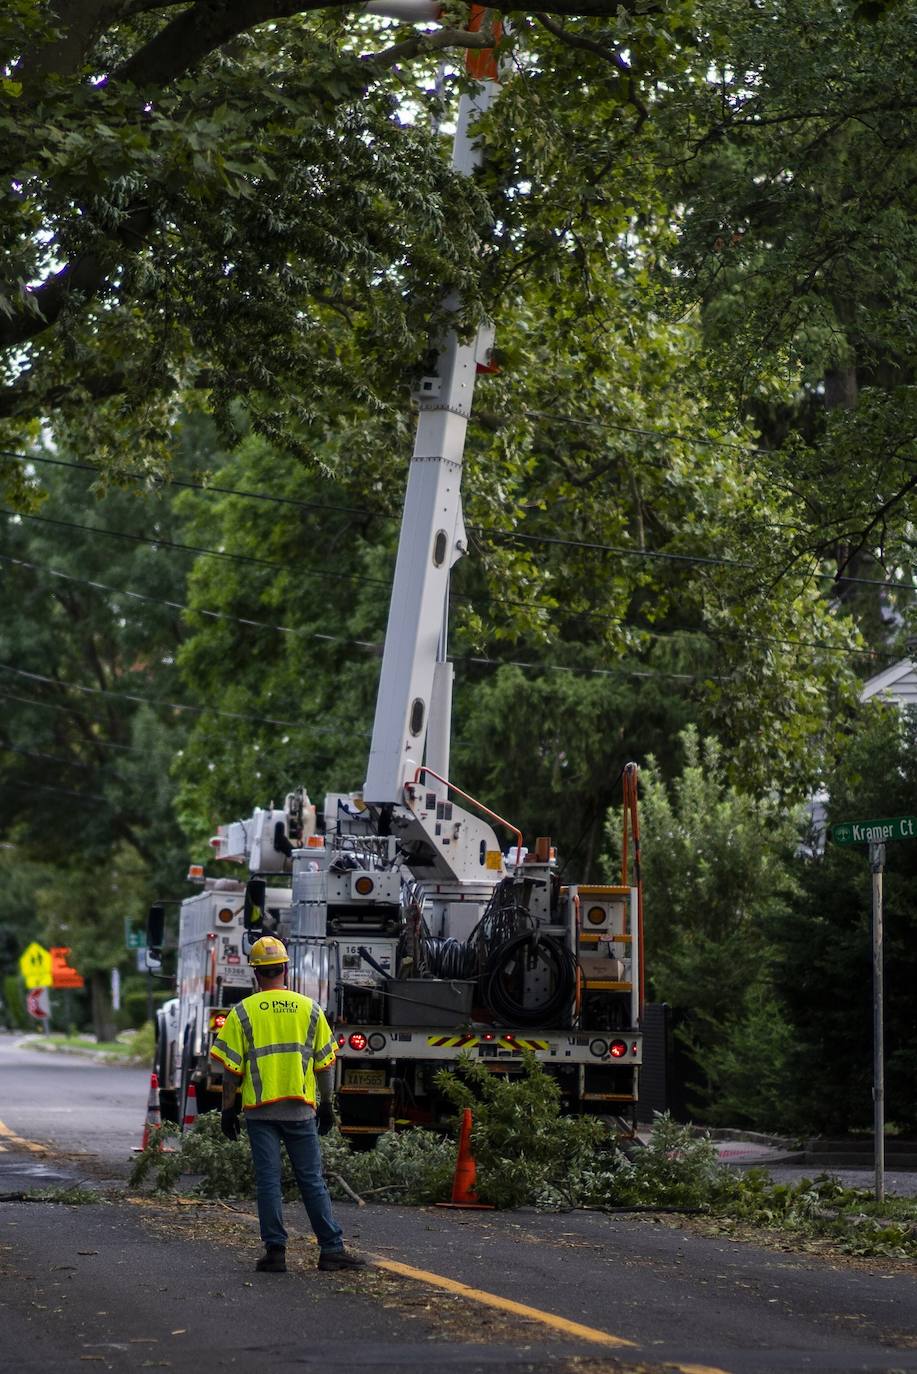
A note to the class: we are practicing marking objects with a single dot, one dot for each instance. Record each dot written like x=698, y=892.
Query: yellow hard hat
x=268, y=950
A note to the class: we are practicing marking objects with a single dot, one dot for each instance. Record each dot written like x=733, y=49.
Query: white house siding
x=897, y=683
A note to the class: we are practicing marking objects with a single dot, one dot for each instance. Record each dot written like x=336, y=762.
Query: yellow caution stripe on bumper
x=470, y=1041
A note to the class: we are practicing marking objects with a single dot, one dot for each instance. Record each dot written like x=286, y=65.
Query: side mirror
x=255, y=898
x=156, y=928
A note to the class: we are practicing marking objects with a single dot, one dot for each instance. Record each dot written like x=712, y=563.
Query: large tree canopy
x=253, y=199
x=702, y=299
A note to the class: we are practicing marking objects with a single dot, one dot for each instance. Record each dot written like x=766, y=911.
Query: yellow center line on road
x=582, y=1333
x=698, y=1369
x=519, y=1309
x=15, y=1139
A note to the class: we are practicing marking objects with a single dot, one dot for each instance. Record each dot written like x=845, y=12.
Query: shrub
x=142, y=1043
x=17, y=1017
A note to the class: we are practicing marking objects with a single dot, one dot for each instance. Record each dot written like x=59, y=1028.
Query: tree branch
x=877, y=519
x=20, y=399
x=41, y=306
x=65, y=53
x=199, y=31
x=592, y=45
x=420, y=43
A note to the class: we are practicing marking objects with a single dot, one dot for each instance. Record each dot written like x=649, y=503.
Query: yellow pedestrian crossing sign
x=35, y=966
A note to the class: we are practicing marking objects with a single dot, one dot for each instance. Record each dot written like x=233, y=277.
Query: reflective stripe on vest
x=251, y=1058
x=221, y=1045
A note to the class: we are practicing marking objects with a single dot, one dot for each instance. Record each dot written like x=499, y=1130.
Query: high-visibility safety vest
x=276, y=1042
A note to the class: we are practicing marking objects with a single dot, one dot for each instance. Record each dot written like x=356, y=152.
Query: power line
x=95, y=741
x=199, y=486
x=377, y=646
x=594, y=422
x=594, y=672
x=183, y=605
x=52, y=758
x=64, y=792
x=612, y=548
x=154, y=701
x=68, y=710
x=364, y=644
x=156, y=542
x=86, y=720
x=618, y=551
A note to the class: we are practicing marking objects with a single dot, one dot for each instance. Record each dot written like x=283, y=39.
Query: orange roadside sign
x=62, y=975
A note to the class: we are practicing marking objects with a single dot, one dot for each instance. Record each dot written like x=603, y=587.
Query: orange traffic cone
x=464, y=1193
x=153, y=1117
x=152, y=1126
x=190, y=1109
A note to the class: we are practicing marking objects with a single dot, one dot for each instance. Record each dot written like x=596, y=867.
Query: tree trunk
x=103, y=1020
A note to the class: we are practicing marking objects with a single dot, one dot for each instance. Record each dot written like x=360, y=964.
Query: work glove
x=325, y=1116
x=229, y=1123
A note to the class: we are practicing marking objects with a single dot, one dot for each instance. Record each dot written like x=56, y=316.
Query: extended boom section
x=413, y=913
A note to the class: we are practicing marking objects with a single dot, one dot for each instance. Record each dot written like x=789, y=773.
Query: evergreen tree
x=824, y=973
x=90, y=716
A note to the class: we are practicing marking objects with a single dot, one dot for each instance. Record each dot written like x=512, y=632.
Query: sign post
x=877, y=864
x=876, y=834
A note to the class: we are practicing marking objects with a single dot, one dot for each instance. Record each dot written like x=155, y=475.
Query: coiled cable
x=503, y=981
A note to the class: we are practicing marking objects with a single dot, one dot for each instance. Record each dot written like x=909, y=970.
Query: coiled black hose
x=449, y=958
x=504, y=979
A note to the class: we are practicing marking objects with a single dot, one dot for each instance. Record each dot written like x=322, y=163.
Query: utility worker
x=278, y=1046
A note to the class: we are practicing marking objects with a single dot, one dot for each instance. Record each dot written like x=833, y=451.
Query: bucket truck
x=413, y=913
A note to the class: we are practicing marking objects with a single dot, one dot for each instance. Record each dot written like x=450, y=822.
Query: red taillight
x=218, y=1020
x=617, y=1049
x=342, y=1041
x=357, y=1041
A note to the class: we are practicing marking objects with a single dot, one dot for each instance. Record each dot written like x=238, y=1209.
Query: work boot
x=273, y=1261
x=340, y=1259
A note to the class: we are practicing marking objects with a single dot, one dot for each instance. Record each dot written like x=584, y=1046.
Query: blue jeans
x=301, y=1140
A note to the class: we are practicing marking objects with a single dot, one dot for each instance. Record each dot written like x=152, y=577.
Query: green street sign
x=135, y=939
x=875, y=832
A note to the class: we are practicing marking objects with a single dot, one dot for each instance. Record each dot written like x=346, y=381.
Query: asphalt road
x=78, y=1106
x=123, y=1285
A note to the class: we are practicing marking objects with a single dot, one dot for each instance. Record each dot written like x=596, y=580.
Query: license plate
x=365, y=1078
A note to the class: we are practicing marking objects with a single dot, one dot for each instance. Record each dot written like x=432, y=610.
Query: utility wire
x=477, y=660
x=53, y=758
x=594, y=422
x=198, y=486
x=64, y=792
x=58, y=706
x=156, y=542
x=86, y=720
x=618, y=551
x=164, y=705
x=376, y=646
x=94, y=742
x=183, y=606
